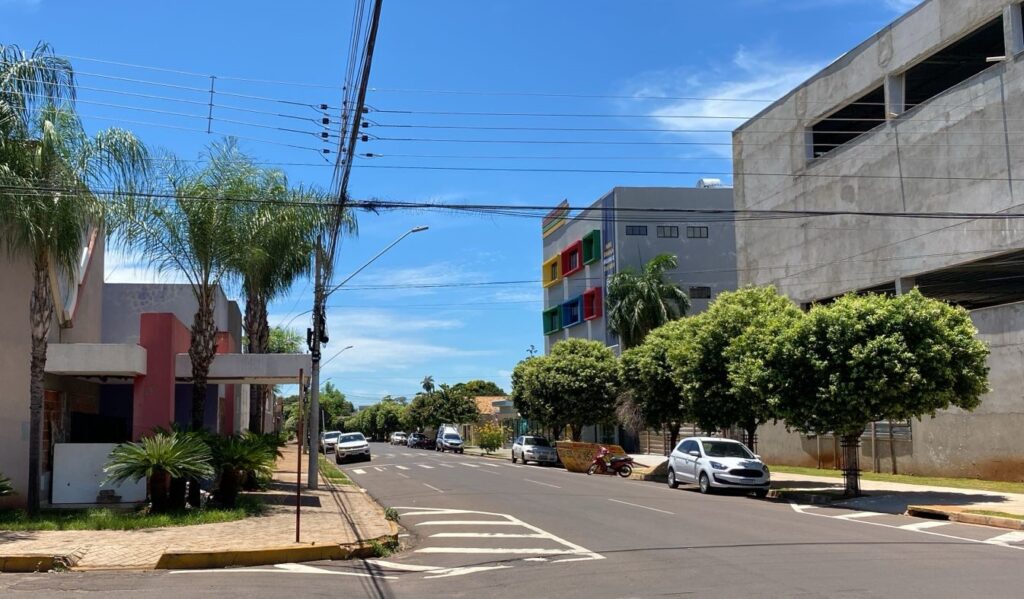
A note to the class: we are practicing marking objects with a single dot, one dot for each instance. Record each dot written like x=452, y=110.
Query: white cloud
x=376, y=355
x=122, y=267
x=724, y=98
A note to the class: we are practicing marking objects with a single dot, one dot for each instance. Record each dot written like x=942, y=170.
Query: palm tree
x=55, y=182
x=640, y=302
x=196, y=234
x=428, y=384
x=280, y=241
x=159, y=459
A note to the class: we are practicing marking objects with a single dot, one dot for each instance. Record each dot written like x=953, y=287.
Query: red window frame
x=566, y=256
x=593, y=306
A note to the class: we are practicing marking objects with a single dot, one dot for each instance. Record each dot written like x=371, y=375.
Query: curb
x=36, y=562
x=205, y=560
x=805, y=498
x=955, y=515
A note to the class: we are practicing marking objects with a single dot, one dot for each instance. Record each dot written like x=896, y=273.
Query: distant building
x=923, y=117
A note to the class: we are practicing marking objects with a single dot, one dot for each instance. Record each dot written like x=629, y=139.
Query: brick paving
x=332, y=515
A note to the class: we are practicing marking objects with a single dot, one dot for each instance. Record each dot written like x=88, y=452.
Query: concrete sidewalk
x=334, y=521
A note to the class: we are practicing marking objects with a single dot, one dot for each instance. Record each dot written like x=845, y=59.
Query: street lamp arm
x=374, y=259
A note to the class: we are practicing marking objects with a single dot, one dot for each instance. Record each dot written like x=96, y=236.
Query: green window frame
x=592, y=246
x=552, y=320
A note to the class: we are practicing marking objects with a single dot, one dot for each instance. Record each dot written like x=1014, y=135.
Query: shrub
x=238, y=457
x=491, y=437
x=6, y=488
x=159, y=458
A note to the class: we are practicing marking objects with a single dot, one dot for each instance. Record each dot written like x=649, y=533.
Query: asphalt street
x=477, y=527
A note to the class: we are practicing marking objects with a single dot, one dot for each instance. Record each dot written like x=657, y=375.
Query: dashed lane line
x=401, y=467
x=433, y=487
x=402, y=475
x=378, y=469
x=653, y=509
x=537, y=482
x=425, y=466
x=470, y=465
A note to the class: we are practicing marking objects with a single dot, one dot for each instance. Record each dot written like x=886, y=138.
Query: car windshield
x=352, y=438
x=452, y=437
x=538, y=441
x=331, y=435
x=725, y=449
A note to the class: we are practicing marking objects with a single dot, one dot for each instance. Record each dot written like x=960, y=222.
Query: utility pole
x=317, y=333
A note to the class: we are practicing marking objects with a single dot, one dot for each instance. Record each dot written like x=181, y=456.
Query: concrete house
x=923, y=117
x=117, y=366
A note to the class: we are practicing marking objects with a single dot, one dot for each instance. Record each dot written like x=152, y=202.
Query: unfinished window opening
x=849, y=122
x=954, y=63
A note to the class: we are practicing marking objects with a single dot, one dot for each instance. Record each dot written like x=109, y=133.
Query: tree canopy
x=641, y=301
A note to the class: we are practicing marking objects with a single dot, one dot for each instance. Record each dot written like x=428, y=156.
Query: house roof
x=485, y=403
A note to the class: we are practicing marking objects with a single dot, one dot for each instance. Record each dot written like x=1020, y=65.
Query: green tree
x=453, y=407
x=574, y=385
x=197, y=235
x=478, y=388
x=428, y=384
x=283, y=341
x=721, y=364
x=647, y=381
x=388, y=417
x=490, y=437
x=641, y=301
x=55, y=181
x=871, y=357
x=336, y=408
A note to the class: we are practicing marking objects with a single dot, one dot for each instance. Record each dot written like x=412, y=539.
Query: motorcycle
x=605, y=464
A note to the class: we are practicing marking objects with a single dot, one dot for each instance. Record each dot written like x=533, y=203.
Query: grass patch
x=332, y=472
x=909, y=479
x=385, y=549
x=995, y=514
x=114, y=519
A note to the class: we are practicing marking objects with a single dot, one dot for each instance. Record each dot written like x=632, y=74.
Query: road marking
x=924, y=525
x=287, y=569
x=397, y=566
x=470, y=465
x=462, y=571
x=495, y=550
x=425, y=466
x=537, y=482
x=378, y=469
x=486, y=535
x=433, y=487
x=856, y=515
x=491, y=465
x=1011, y=537
x=466, y=523
x=359, y=471
x=653, y=509
x=402, y=475
x=401, y=467
x=535, y=559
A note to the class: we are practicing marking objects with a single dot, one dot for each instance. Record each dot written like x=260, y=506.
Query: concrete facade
x=958, y=150
x=708, y=261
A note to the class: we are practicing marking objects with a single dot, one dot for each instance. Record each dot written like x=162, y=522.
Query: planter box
x=577, y=457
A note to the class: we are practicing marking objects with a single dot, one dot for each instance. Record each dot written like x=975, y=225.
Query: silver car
x=352, y=446
x=531, y=448
x=328, y=441
x=717, y=464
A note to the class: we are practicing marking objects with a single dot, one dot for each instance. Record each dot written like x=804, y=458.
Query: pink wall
x=164, y=337
x=226, y=344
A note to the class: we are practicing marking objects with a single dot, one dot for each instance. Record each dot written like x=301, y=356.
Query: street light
x=316, y=335
x=328, y=360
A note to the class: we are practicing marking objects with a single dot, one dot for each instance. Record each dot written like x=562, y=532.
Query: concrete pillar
x=905, y=284
x=164, y=337
x=1013, y=29
x=226, y=345
x=895, y=96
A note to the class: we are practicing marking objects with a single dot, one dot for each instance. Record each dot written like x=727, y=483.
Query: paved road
x=488, y=528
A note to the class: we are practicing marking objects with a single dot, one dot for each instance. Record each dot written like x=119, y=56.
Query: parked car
x=419, y=441
x=717, y=464
x=398, y=438
x=449, y=441
x=531, y=448
x=352, y=446
x=328, y=440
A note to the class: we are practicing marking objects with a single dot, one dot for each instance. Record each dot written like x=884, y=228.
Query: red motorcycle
x=608, y=464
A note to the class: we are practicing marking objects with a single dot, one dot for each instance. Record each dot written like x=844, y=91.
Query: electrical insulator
x=326, y=151
x=323, y=107
x=324, y=135
x=364, y=124
x=325, y=121
x=365, y=138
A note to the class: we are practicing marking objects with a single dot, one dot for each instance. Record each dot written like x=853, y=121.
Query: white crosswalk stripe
x=925, y=525
x=400, y=467
x=425, y=466
x=359, y=471
x=1016, y=536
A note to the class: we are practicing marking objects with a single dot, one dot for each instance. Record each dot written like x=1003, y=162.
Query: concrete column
x=905, y=284
x=895, y=96
x=164, y=337
x=1013, y=29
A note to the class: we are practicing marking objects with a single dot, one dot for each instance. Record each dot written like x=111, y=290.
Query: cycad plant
x=158, y=459
x=235, y=458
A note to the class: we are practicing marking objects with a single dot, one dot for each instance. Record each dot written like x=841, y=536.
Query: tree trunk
x=577, y=432
x=159, y=491
x=673, y=436
x=892, y=448
x=176, y=494
x=41, y=315
x=751, y=437
x=251, y=325
x=201, y=351
x=851, y=464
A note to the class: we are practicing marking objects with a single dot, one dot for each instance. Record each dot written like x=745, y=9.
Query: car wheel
x=337, y=460
x=592, y=469
x=672, y=482
x=462, y=451
x=625, y=471
x=513, y=456
x=705, y=483
x=761, y=493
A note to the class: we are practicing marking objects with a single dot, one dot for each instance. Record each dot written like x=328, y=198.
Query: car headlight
x=765, y=468
x=718, y=466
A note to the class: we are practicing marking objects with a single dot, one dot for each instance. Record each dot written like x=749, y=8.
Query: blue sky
x=736, y=49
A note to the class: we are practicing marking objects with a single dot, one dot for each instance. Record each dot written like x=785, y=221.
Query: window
x=689, y=446
x=551, y=272
x=552, y=320
x=694, y=233
x=592, y=246
x=636, y=229
x=700, y=293
x=849, y=122
x=668, y=231
x=593, y=307
x=954, y=63
x=572, y=259
x=572, y=312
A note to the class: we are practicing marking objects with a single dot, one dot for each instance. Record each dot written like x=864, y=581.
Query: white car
x=398, y=438
x=531, y=448
x=329, y=440
x=717, y=464
x=352, y=445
